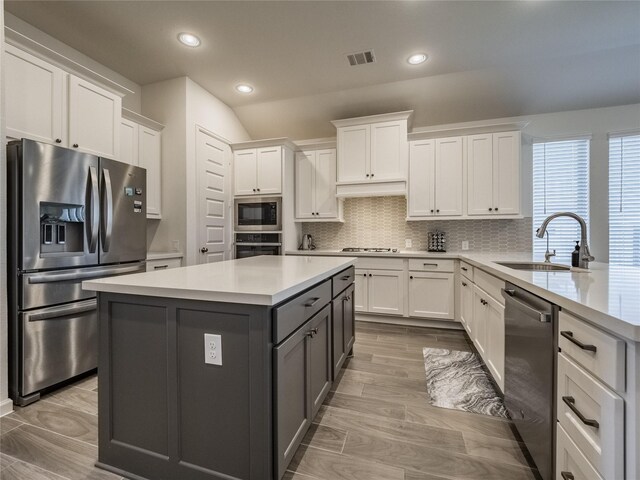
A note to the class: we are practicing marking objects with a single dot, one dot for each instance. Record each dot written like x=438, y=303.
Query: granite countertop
x=264, y=280
x=608, y=296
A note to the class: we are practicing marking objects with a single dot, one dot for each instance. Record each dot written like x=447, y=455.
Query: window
x=560, y=184
x=624, y=200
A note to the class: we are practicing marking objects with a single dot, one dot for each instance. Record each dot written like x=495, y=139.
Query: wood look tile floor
x=376, y=424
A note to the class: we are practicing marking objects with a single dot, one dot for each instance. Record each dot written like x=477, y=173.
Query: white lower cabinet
x=570, y=461
x=488, y=332
x=163, y=263
x=379, y=291
x=431, y=295
x=466, y=305
x=479, y=321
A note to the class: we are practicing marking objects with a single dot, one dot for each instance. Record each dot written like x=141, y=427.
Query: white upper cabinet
x=435, y=178
x=493, y=162
x=94, y=118
x=128, y=142
x=149, y=157
x=258, y=171
x=316, y=185
x=35, y=98
x=141, y=145
x=47, y=104
x=372, y=155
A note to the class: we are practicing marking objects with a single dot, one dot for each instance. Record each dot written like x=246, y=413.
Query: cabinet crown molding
x=23, y=42
x=268, y=142
x=315, y=144
x=471, y=128
x=141, y=119
x=385, y=117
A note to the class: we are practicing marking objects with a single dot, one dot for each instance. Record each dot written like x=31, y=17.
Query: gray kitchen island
x=216, y=371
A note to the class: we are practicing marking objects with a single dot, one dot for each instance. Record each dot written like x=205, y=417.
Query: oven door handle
x=509, y=295
x=258, y=244
x=63, y=311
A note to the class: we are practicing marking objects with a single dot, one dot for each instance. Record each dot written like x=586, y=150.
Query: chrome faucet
x=585, y=254
x=548, y=254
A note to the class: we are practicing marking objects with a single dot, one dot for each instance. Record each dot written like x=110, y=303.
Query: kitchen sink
x=536, y=266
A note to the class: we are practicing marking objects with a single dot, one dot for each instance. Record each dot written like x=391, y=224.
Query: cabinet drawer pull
x=345, y=278
x=312, y=333
x=312, y=303
x=429, y=264
x=569, y=336
x=464, y=284
x=567, y=476
x=160, y=267
x=464, y=269
x=570, y=401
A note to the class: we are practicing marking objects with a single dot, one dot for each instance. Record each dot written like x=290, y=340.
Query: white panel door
x=150, y=157
x=361, y=292
x=386, y=291
x=305, y=184
x=422, y=157
x=495, y=339
x=506, y=173
x=211, y=159
x=245, y=171
x=270, y=170
x=480, y=174
x=466, y=306
x=431, y=295
x=354, y=144
x=449, y=176
x=128, y=142
x=94, y=119
x=326, y=204
x=388, y=151
x=35, y=100
x=480, y=321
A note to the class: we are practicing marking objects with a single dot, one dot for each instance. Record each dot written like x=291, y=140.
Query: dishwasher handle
x=509, y=295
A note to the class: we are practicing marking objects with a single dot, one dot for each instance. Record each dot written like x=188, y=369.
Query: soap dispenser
x=575, y=255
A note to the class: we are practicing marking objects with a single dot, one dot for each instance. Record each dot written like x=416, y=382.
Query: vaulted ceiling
x=486, y=59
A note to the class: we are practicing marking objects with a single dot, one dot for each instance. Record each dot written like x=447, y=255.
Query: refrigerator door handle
x=53, y=277
x=63, y=311
x=107, y=211
x=94, y=209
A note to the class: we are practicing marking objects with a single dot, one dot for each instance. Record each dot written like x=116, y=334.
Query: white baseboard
x=6, y=407
x=411, y=322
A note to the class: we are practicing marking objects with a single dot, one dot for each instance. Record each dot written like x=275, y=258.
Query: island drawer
x=342, y=280
x=289, y=316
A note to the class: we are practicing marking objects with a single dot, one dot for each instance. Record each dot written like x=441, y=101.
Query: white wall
x=5, y=403
x=205, y=110
x=597, y=122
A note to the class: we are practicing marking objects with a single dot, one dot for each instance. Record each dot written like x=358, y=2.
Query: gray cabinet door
x=320, y=373
x=349, y=320
x=338, y=354
x=293, y=405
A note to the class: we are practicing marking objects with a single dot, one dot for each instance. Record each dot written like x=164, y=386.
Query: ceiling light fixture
x=417, y=59
x=189, y=39
x=244, y=88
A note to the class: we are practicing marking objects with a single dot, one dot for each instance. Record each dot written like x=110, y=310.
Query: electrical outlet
x=465, y=245
x=408, y=243
x=212, y=349
x=175, y=245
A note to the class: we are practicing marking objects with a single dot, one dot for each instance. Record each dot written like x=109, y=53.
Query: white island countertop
x=264, y=280
x=608, y=296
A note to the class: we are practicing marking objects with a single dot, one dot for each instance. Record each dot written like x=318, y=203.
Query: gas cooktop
x=375, y=250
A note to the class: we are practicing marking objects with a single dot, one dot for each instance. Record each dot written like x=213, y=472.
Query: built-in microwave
x=258, y=214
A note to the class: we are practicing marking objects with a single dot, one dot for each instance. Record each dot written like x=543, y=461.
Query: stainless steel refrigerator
x=71, y=216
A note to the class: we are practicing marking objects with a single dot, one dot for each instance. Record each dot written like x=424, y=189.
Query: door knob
x=204, y=249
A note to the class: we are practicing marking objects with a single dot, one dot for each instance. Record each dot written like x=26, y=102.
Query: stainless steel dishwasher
x=529, y=377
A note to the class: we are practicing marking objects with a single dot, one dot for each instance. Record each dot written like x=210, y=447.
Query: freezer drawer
x=57, y=343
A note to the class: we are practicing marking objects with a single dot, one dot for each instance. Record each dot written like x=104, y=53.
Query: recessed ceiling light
x=244, y=88
x=417, y=59
x=189, y=39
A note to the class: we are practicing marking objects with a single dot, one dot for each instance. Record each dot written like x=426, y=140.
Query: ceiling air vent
x=361, y=58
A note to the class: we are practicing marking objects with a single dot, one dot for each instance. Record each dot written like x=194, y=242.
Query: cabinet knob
x=257, y=189
x=75, y=145
x=369, y=274
x=367, y=174
x=490, y=209
x=411, y=277
x=496, y=209
x=432, y=210
x=438, y=211
x=464, y=284
x=58, y=140
x=372, y=175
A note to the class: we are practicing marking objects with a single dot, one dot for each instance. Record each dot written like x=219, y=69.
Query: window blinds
x=560, y=183
x=624, y=200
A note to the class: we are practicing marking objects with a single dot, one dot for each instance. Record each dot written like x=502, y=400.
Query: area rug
x=457, y=380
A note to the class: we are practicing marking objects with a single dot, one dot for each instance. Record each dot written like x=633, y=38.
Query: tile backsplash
x=381, y=222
